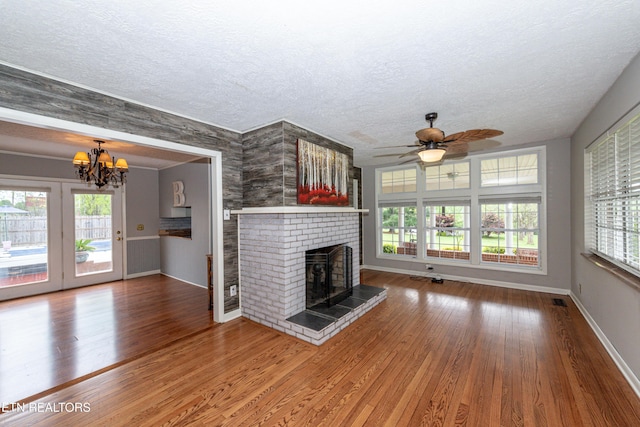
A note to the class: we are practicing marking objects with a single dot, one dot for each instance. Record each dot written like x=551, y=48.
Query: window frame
x=423, y=197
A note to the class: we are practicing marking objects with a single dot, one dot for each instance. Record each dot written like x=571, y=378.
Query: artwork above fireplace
x=323, y=175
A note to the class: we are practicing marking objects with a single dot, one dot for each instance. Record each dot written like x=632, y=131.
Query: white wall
x=613, y=305
x=558, y=230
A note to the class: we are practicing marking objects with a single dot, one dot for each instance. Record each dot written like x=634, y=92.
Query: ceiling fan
x=432, y=143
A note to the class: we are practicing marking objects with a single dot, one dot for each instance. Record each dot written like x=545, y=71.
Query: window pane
x=398, y=230
x=93, y=233
x=514, y=170
x=447, y=231
x=528, y=169
x=24, y=230
x=510, y=233
x=447, y=176
x=399, y=181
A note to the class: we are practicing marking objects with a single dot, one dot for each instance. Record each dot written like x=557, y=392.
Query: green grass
x=450, y=242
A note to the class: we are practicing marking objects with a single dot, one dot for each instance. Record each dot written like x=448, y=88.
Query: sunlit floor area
x=430, y=354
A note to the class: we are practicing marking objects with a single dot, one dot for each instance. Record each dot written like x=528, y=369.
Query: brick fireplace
x=272, y=247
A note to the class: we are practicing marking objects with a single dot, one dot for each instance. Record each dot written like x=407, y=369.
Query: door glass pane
x=23, y=229
x=93, y=233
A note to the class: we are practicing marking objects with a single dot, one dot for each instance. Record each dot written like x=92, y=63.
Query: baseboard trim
x=142, y=274
x=465, y=279
x=182, y=280
x=631, y=378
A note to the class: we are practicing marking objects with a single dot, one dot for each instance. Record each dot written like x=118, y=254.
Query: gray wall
x=270, y=163
x=36, y=166
x=613, y=305
x=141, y=198
x=558, y=226
x=39, y=95
x=185, y=258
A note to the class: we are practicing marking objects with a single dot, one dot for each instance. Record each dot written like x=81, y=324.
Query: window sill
x=505, y=267
x=620, y=273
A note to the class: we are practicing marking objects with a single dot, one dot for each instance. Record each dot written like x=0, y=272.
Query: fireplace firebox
x=329, y=277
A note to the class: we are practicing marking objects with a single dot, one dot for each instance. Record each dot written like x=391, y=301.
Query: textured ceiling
x=362, y=73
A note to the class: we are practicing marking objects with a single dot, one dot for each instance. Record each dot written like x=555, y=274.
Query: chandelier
x=99, y=167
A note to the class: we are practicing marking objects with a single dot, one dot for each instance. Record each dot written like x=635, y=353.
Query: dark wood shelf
x=184, y=233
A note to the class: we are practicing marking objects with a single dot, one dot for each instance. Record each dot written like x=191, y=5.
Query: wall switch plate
x=226, y=214
x=232, y=290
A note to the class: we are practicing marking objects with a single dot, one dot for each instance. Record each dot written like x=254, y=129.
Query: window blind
x=612, y=212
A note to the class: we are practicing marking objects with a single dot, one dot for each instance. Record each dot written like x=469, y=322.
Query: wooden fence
x=32, y=230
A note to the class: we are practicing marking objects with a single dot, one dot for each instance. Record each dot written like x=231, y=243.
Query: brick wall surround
x=272, y=250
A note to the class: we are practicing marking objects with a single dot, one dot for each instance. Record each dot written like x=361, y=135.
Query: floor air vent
x=560, y=302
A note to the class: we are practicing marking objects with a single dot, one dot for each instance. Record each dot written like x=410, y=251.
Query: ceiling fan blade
x=416, y=160
x=472, y=135
x=412, y=152
x=459, y=148
x=389, y=155
x=397, y=146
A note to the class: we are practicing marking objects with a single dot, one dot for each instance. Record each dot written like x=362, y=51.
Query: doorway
x=216, y=208
x=58, y=235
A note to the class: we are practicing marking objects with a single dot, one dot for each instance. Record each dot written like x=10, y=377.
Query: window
x=399, y=181
x=447, y=176
x=398, y=230
x=447, y=229
x=612, y=211
x=509, y=231
x=514, y=170
x=486, y=211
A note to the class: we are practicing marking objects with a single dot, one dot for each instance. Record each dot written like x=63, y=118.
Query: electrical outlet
x=428, y=266
x=232, y=290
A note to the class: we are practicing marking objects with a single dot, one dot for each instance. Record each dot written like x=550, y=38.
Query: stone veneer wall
x=272, y=260
x=269, y=154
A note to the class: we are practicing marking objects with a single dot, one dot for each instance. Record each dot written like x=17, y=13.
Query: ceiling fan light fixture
x=431, y=155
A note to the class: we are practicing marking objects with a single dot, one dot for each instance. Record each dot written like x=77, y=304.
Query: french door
x=92, y=239
x=58, y=236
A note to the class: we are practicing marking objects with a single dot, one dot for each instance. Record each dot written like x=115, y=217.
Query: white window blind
x=612, y=214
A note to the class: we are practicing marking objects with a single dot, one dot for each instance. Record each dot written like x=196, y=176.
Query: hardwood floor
x=452, y=354
x=48, y=341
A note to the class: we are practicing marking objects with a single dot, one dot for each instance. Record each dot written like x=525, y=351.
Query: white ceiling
x=361, y=72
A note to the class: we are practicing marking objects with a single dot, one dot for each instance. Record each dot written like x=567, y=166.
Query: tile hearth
x=318, y=318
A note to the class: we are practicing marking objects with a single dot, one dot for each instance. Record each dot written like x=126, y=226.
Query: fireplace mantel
x=298, y=209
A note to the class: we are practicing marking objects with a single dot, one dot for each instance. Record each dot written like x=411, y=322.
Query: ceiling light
x=100, y=168
x=431, y=155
